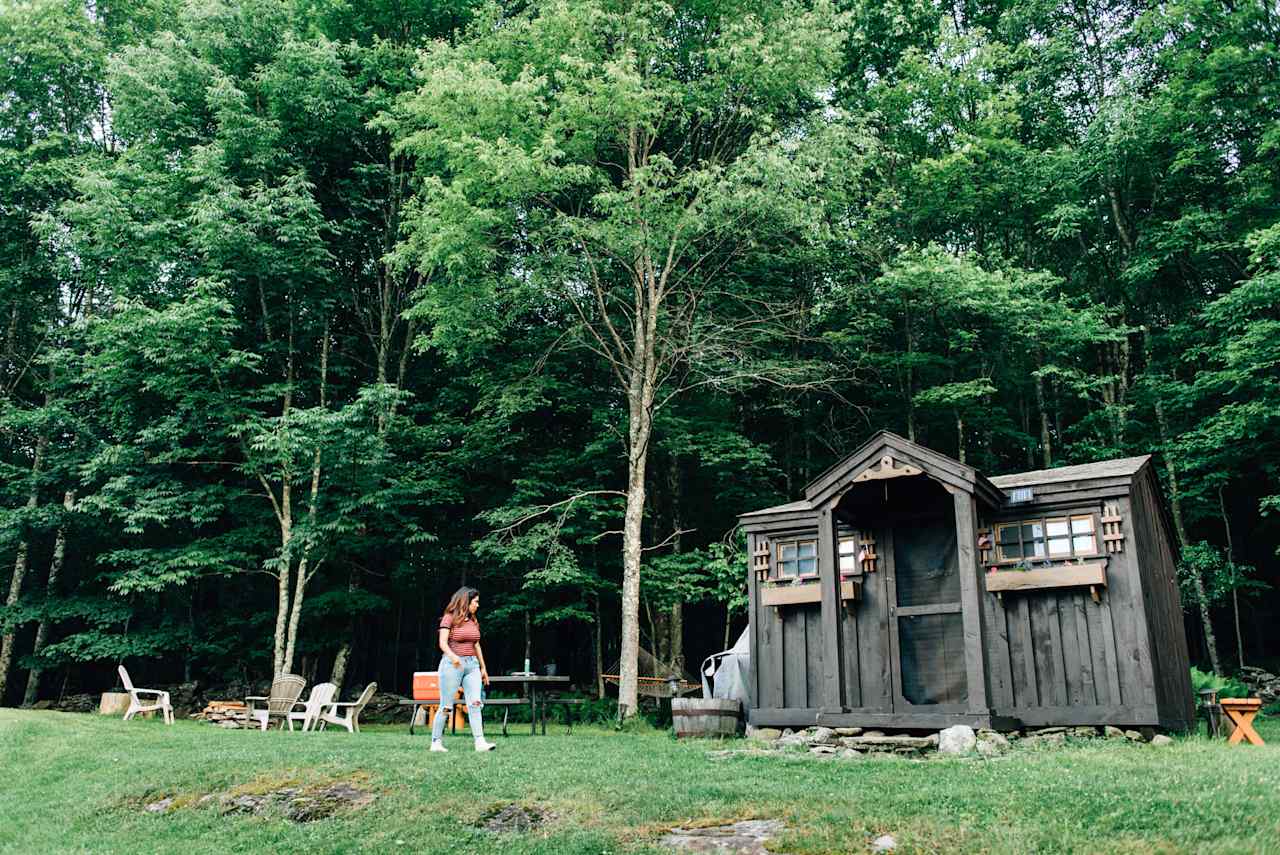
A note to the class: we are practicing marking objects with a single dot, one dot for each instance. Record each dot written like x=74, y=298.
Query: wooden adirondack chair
x=349, y=717
x=285, y=690
x=135, y=699
x=321, y=696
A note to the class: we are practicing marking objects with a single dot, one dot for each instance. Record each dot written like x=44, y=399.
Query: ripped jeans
x=468, y=676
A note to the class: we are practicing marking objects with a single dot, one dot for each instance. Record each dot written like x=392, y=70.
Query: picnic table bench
x=1242, y=711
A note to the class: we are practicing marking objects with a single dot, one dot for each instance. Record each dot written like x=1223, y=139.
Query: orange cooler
x=426, y=685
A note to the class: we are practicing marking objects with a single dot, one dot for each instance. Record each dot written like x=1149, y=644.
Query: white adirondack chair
x=347, y=714
x=136, y=704
x=321, y=696
x=285, y=690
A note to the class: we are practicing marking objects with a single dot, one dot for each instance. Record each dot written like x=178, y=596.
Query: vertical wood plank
x=850, y=656
x=795, y=665
x=975, y=651
x=1047, y=647
x=1088, y=685
x=1030, y=696
x=1072, y=667
x=875, y=681
x=999, y=659
x=829, y=579
x=815, y=638
x=893, y=655
x=1109, y=652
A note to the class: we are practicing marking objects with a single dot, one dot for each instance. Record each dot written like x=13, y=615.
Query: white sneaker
x=483, y=745
x=438, y=746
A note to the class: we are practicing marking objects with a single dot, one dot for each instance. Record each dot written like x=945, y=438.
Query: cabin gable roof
x=905, y=455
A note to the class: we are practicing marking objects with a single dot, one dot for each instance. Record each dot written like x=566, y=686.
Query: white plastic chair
x=135, y=700
x=350, y=716
x=285, y=690
x=321, y=696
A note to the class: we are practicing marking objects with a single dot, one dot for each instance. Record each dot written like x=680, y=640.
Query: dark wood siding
x=867, y=681
x=1161, y=602
x=787, y=641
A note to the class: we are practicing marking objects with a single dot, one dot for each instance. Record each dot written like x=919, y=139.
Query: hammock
x=655, y=679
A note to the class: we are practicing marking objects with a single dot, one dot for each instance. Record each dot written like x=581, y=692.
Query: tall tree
x=624, y=159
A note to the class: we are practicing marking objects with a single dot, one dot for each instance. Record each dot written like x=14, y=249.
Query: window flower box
x=807, y=592
x=1086, y=574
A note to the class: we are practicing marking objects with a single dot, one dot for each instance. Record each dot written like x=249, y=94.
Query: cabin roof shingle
x=1119, y=468
x=800, y=505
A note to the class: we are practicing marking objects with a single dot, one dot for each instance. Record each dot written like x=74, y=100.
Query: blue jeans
x=468, y=676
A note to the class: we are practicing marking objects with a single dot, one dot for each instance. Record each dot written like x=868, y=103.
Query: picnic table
x=531, y=682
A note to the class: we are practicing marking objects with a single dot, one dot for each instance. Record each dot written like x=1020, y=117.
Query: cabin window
x=1069, y=536
x=797, y=558
x=848, y=550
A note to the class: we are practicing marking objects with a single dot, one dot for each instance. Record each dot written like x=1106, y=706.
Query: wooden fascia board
x=1075, y=494
x=947, y=475
x=781, y=522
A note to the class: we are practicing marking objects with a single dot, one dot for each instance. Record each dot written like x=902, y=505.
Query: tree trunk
x=284, y=514
x=598, y=637
x=675, y=621
x=911, y=381
x=20, y=565
x=1235, y=582
x=306, y=568
x=639, y=430
x=1046, y=441
x=528, y=641
x=51, y=588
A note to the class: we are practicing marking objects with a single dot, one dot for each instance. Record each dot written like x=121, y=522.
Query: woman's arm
x=446, y=649
x=484, y=671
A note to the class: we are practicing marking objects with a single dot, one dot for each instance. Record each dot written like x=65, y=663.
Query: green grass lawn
x=78, y=783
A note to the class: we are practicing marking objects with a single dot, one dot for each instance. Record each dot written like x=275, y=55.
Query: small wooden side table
x=1241, y=712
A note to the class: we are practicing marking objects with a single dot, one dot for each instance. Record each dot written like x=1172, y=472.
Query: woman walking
x=462, y=664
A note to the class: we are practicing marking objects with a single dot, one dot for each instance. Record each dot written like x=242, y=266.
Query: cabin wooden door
x=926, y=632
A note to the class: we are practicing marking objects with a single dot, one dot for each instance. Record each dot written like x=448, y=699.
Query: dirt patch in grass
x=274, y=797
x=514, y=818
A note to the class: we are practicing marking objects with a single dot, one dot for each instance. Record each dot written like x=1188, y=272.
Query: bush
x=1226, y=687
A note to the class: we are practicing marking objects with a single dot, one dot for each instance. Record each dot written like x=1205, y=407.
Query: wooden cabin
x=909, y=590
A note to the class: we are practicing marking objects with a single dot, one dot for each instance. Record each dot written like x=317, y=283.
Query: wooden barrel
x=702, y=717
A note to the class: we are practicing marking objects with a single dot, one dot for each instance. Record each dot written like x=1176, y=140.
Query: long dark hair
x=460, y=604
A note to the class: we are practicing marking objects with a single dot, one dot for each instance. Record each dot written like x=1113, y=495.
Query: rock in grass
x=848, y=731
x=1083, y=732
x=795, y=740
x=1161, y=739
x=767, y=734
x=1112, y=732
x=884, y=843
x=820, y=735
x=850, y=754
x=991, y=743
x=957, y=739
x=1133, y=736
x=824, y=750
x=739, y=838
